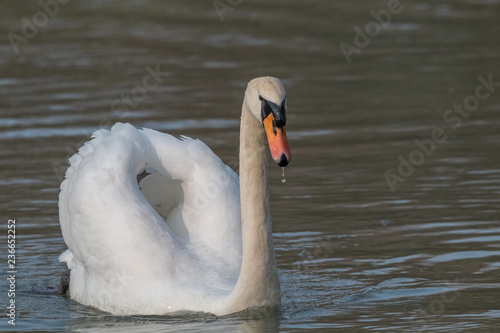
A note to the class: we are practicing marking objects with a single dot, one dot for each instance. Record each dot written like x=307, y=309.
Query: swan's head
x=266, y=99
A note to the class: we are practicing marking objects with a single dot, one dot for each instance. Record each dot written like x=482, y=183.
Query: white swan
x=214, y=253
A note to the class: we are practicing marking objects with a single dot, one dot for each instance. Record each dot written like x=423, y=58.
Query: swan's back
x=171, y=243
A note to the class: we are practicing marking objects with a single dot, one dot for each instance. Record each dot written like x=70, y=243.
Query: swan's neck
x=258, y=283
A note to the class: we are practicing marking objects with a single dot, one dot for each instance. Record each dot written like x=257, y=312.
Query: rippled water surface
x=355, y=252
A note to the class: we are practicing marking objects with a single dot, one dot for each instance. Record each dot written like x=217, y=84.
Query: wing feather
x=180, y=228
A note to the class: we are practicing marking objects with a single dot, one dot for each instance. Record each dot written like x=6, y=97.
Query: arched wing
x=182, y=226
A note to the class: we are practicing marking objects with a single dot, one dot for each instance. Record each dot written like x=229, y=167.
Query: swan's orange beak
x=278, y=144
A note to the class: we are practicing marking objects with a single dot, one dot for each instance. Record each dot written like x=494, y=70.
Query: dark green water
x=355, y=253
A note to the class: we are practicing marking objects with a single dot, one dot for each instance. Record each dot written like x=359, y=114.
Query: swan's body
x=214, y=253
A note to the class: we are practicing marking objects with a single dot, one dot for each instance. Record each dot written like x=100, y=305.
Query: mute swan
x=191, y=236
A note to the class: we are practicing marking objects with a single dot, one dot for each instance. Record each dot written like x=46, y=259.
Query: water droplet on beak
x=283, y=175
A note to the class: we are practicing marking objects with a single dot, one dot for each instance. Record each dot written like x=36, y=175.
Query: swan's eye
x=276, y=110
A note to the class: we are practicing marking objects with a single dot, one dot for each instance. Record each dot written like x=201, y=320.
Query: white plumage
x=173, y=242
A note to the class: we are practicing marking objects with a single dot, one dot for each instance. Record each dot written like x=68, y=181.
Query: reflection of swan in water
x=213, y=254
x=245, y=322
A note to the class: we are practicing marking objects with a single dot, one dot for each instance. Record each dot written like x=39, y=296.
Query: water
x=353, y=253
